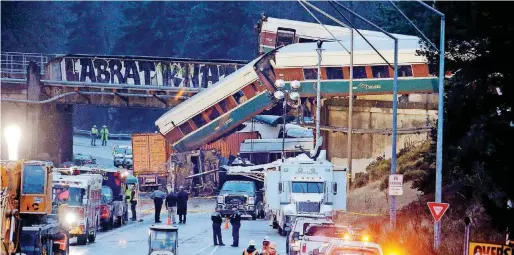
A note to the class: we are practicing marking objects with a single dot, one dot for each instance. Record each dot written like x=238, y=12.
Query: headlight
x=70, y=218
x=220, y=199
x=251, y=200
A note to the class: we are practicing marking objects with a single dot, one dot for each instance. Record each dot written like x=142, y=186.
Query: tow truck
x=27, y=224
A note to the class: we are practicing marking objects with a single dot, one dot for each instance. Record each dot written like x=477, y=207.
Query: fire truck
x=81, y=193
x=27, y=225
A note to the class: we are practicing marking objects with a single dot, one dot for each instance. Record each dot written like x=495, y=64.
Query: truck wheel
x=254, y=217
x=82, y=239
x=92, y=237
x=279, y=230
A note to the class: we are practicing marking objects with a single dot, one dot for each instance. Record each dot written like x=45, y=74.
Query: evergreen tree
x=478, y=129
x=86, y=35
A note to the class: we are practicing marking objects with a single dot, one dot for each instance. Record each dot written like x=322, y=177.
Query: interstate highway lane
x=195, y=237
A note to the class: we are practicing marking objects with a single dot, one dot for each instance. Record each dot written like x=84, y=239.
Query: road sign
x=395, y=184
x=489, y=249
x=437, y=209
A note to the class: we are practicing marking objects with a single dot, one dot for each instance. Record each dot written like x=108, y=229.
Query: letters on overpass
x=152, y=71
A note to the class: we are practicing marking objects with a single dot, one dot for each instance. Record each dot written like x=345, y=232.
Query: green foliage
x=478, y=136
x=411, y=163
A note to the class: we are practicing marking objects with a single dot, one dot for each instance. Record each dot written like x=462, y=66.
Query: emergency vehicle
x=318, y=234
x=348, y=247
x=297, y=231
x=82, y=196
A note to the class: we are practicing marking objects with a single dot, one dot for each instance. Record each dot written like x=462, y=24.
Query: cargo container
x=150, y=156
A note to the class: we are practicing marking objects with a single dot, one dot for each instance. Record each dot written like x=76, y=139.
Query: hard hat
x=104, y=126
x=266, y=238
x=94, y=125
x=252, y=243
x=273, y=245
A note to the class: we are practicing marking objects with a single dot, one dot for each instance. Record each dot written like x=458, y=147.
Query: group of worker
x=176, y=203
x=268, y=248
x=104, y=135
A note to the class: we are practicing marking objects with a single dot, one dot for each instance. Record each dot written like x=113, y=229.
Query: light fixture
x=278, y=94
x=12, y=135
x=294, y=96
x=295, y=84
x=280, y=83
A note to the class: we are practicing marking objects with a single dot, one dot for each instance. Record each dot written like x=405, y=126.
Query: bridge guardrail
x=81, y=132
x=15, y=63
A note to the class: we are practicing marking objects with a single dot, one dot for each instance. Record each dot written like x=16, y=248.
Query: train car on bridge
x=249, y=91
x=274, y=33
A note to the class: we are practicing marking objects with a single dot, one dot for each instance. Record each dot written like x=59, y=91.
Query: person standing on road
x=216, y=227
x=118, y=205
x=251, y=250
x=104, y=135
x=133, y=201
x=235, y=221
x=171, y=205
x=182, y=198
x=265, y=246
x=158, y=196
x=94, y=135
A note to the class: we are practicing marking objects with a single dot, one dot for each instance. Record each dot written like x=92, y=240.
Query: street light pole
x=284, y=128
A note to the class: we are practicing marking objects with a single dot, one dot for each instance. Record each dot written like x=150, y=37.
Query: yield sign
x=437, y=209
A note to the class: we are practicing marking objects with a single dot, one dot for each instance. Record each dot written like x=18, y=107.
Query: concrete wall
x=372, y=115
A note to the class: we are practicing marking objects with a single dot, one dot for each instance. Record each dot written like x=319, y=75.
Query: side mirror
x=84, y=201
x=296, y=236
x=334, y=187
x=279, y=187
x=315, y=252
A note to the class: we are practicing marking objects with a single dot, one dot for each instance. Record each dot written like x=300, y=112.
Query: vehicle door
x=272, y=180
x=339, y=190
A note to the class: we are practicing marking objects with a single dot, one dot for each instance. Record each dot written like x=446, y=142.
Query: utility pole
x=318, y=93
x=395, y=131
x=350, y=109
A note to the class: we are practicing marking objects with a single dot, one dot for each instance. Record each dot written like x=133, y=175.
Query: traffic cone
x=226, y=223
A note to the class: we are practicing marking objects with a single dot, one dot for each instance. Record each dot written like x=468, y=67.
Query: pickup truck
x=348, y=247
x=242, y=195
x=298, y=228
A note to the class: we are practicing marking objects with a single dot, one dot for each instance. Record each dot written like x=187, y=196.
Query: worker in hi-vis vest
x=133, y=201
x=94, y=135
x=104, y=135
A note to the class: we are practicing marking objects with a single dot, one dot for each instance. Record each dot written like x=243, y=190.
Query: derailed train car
x=221, y=108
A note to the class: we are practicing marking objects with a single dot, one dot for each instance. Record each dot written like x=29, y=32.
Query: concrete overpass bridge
x=38, y=92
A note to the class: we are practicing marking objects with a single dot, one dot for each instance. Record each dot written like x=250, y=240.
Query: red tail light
x=76, y=172
x=304, y=248
x=104, y=211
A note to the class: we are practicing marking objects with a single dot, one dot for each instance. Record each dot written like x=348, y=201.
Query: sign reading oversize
x=141, y=70
x=489, y=249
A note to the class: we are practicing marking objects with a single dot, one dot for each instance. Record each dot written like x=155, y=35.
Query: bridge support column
x=47, y=131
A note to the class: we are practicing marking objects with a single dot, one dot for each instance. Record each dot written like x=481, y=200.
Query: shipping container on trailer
x=150, y=155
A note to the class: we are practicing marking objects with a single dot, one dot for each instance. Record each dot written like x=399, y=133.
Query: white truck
x=305, y=186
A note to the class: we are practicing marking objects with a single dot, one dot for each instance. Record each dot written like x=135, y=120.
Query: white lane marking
x=212, y=252
x=198, y=252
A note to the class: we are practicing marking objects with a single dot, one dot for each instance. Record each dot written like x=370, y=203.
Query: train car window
x=306, y=40
x=240, y=97
x=380, y=71
x=285, y=36
x=334, y=73
x=310, y=73
x=212, y=113
x=404, y=71
x=199, y=120
x=359, y=72
x=185, y=128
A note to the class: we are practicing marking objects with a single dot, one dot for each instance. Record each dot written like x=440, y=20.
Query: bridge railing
x=15, y=63
x=81, y=132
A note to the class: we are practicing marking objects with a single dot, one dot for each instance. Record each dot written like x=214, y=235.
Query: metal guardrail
x=15, y=63
x=80, y=132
